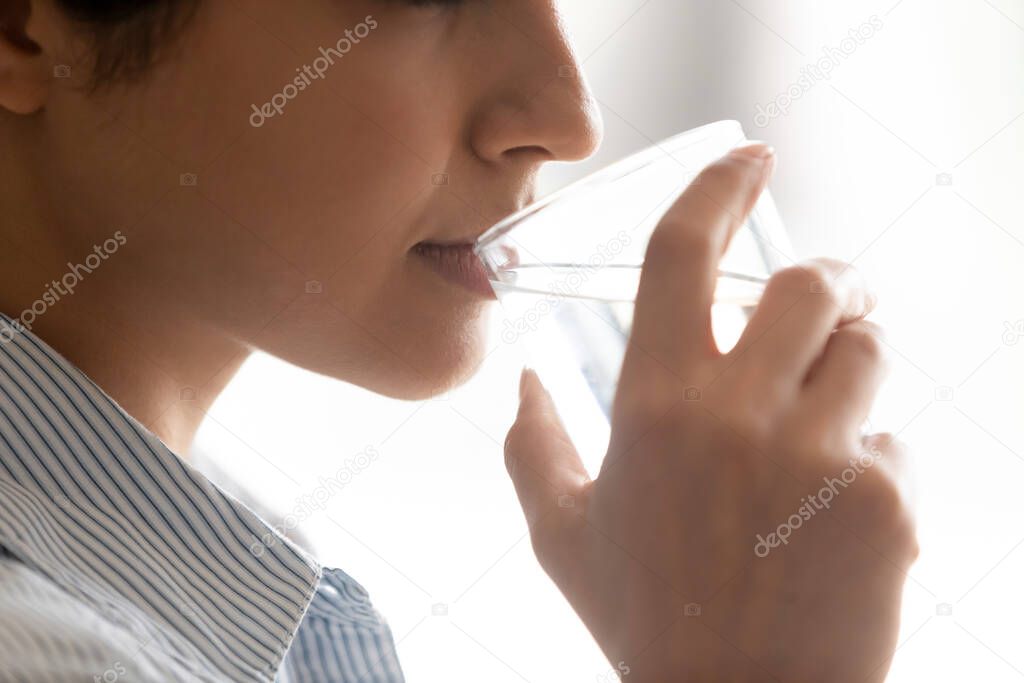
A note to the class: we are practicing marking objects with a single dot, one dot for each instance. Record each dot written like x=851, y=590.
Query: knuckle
x=868, y=495
x=510, y=458
x=911, y=546
x=879, y=506
x=888, y=511
x=512, y=438
x=796, y=281
x=885, y=444
x=875, y=329
x=816, y=444
x=884, y=502
x=863, y=341
x=515, y=441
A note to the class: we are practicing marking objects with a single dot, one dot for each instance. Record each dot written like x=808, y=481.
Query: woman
x=186, y=181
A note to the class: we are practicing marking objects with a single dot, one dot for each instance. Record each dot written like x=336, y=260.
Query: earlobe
x=21, y=91
x=25, y=72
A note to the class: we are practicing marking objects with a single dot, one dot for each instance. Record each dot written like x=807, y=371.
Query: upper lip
x=449, y=243
x=468, y=235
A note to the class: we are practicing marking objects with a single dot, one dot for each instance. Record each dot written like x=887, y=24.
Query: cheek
x=318, y=185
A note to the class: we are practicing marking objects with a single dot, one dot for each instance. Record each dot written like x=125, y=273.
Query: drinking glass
x=566, y=271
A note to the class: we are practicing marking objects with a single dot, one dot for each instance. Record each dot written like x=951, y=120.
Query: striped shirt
x=119, y=562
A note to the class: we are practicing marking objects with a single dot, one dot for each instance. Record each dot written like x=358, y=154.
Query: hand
x=740, y=528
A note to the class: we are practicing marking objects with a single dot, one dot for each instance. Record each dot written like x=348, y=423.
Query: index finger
x=672, y=322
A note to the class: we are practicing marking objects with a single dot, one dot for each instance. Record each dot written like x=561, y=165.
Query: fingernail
x=757, y=150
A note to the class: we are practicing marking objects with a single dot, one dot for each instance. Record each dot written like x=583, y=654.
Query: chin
x=438, y=361
x=411, y=357
x=439, y=371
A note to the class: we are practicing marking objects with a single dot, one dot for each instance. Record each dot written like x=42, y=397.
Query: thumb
x=544, y=466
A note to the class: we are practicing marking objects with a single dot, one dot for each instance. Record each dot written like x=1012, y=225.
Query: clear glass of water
x=566, y=271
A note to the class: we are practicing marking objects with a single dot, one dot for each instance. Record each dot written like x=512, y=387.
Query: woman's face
x=305, y=177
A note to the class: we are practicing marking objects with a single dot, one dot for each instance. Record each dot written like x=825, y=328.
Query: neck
x=161, y=366
x=152, y=353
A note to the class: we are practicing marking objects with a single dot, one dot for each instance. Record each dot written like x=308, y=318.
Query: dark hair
x=126, y=36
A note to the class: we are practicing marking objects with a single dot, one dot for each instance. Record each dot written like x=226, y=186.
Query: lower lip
x=458, y=264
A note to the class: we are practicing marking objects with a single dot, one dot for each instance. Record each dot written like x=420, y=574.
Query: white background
x=937, y=91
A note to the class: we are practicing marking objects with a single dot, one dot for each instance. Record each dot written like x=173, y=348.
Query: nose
x=539, y=105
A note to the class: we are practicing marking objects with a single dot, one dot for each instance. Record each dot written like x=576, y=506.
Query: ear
x=26, y=70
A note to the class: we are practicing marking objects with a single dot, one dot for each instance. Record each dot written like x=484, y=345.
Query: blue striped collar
x=97, y=504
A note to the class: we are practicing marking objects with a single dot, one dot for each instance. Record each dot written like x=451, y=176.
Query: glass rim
x=616, y=169
x=721, y=275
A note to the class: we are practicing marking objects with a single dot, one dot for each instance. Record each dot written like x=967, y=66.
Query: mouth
x=458, y=264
